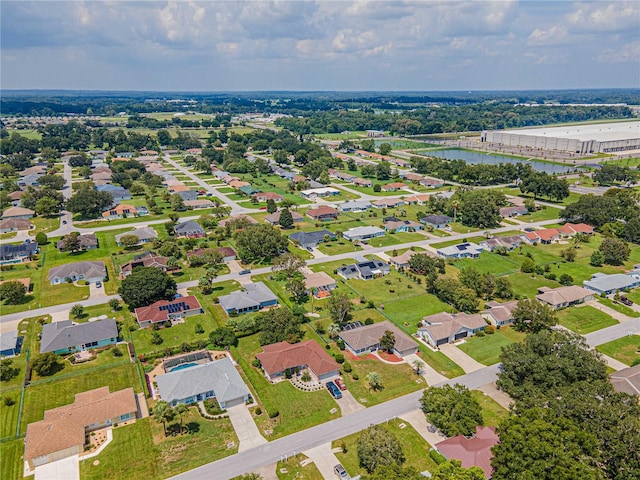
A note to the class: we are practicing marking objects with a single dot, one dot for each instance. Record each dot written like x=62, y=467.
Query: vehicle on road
x=626, y=300
x=333, y=390
x=340, y=384
x=309, y=249
x=98, y=284
x=341, y=472
x=64, y=222
x=244, y=272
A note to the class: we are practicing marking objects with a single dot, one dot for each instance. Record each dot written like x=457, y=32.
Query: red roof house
x=570, y=229
x=472, y=452
x=165, y=311
x=323, y=212
x=277, y=358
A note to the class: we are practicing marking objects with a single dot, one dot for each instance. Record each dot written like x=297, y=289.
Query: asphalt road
x=630, y=327
x=254, y=458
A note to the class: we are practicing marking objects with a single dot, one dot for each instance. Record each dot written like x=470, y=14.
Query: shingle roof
x=17, y=212
x=472, y=452
x=62, y=335
x=318, y=279
x=8, y=340
x=188, y=226
x=220, y=376
x=560, y=295
x=86, y=240
x=436, y=219
x=627, y=380
x=275, y=217
x=322, y=210
x=369, y=335
x=159, y=311
x=253, y=294
x=143, y=233
x=443, y=325
x=87, y=269
x=305, y=238
x=280, y=356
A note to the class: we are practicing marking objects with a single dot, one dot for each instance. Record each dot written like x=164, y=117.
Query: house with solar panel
x=461, y=250
x=163, y=311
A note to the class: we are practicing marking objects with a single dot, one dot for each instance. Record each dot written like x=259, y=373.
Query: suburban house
x=436, y=221
x=198, y=204
x=248, y=190
x=319, y=284
x=363, y=233
x=313, y=193
x=510, y=242
x=146, y=259
x=472, y=452
x=571, y=229
x=18, y=212
x=118, y=193
x=509, y=212
x=10, y=344
x=91, y=271
x=365, y=270
x=266, y=196
x=34, y=170
x=88, y=241
x=323, y=213
x=28, y=181
x=15, y=253
x=431, y=182
x=177, y=188
x=15, y=197
x=388, y=203
x=123, y=211
x=65, y=337
x=281, y=358
x=444, y=327
x=347, y=177
x=608, y=284
x=545, y=236
x=189, y=229
x=274, y=218
x=393, y=187
x=238, y=184
x=144, y=234
x=173, y=311
x=15, y=224
x=187, y=195
x=395, y=225
x=499, y=314
x=402, y=261
x=411, y=176
x=254, y=297
x=237, y=218
x=420, y=199
x=367, y=339
x=218, y=379
x=564, y=296
x=362, y=182
x=461, y=250
x=65, y=431
x=227, y=253
x=355, y=206
x=311, y=239
x=626, y=380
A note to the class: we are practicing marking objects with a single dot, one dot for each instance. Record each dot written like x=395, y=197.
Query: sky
x=319, y=45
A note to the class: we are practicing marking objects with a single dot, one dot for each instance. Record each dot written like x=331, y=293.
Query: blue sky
x=319, y=45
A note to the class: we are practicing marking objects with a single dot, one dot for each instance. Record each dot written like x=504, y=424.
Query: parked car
x=244, y=272
x=626, y=300
x=98, y=284
x=333, y=390
x=341, y=472
x=309, y=249
x=64, y=222
x=340, y=384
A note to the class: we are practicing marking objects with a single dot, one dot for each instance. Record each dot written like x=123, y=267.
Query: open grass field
x=414, y=447
x=492, y=411
x=584, y=319
x=625, y=349
x=487, y=349
x=11, y=463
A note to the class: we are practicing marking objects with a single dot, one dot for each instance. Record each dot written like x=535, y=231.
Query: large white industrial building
x=581, y=139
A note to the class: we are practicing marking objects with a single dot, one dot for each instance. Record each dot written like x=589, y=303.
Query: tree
x=76, y=311
x=163, y=413
x=223, y=337
x=146, y=285
x=453, y=470
x=471, y=278
x=614, y=251
x=378, y=447
x=177, y=203
x=271, y=206
x=334, y=330
x=286, y=219
x=297, y=289
x=259, y=242
x=385, y=148
x=181, y=409
x=47, y=206
x=339, y=307
x=12, y=292
x=383, y=170
x=7, y=370
x=565, y=279
x=481, y=208
x=289, y=264
x=464, y=299
x=156, y=338
x=417, y=366
x=531, y=315
x=71, y=242
x=387, y=341
x=597, y=259
x=377, y=188
x=89, y=203
x=452, y=409
x=46, y=364
x=279, y=325
x=114, y=304
x=569, y=254
x=129, y=241
x=502, y=288
x=374, y=381
x=56, y=182
x=528, y=266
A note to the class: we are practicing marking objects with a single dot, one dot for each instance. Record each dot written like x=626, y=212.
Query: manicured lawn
x=415, y=448
x=545, y=213
x=45, y=395
x=9, y=414
x=174, y=335
x=527, y=284
x=490, y=263
x=492, y=411
x=584, y=319
x=634, y=295
x=11, y=464
x=625, y=349
x=338, y=246
x=619, y=307
x=412, y=309
x=487, y=349
x=295, y=471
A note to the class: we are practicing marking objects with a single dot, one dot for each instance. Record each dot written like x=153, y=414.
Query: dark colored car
x=244, y=272
x=333, y=390
x=98, y=284
x=340, y=384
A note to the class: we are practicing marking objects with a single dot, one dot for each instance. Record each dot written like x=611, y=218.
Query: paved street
x=613, y=332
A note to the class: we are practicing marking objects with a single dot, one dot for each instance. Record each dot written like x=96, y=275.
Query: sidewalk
x=467, y=363
x=418, y=421
x=609, y=311
x=428, y=373
x=324, y=459
x=613, y=363
x=499, y=396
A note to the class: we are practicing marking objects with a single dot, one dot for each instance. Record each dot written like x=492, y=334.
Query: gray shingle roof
x=143, y=233
x=8, y=340
x=60, y=335
x=252, y=295
x=189, y=226
x=220, y=376
x=87, y=269
x=307, y=238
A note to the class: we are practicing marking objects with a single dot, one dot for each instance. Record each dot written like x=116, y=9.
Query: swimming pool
x=183, y=366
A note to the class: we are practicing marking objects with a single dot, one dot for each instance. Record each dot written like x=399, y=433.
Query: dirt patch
x=390, y=357
x=356, y=358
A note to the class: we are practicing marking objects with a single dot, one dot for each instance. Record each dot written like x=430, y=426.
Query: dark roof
x=19, y=249
x=436, y=219
x=61, y=335
x=189, y=226
x=304, y=238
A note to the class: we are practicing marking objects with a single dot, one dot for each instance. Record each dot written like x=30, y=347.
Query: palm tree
x=163, y=413
x=375, y=383
x=417, y=366
x=314, y=292
x=181, y=409
x=334, y=330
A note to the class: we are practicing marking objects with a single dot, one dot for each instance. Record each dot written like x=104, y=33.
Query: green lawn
x=545, y=213
x=585, y=319
x=619, y=307
x=625, y=349
x=527, y=284
x=338, y=246
x=487, y=349
x=415, y=448
x=9, y=414
x=294, y=471
x=634, y=295
x=492, y=411
x=11, y=464
x=411, y=309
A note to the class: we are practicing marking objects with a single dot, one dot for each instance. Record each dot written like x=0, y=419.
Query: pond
x=479, y=157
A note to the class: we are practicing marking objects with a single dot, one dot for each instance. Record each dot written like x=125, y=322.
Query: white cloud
x=629, y=52
x=605, y=16
x=555, y=35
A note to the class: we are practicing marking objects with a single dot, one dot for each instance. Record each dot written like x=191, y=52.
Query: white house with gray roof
x=607, y=284
x=218, y=379
x=254, y=297
x=144, y=234
x=363, y=233
x=92, y=272
x=65, y=337
x=355, y=206
x=365, y=270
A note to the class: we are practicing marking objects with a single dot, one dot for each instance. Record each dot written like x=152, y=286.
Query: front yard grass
x=297, y=472
x=618, y=307
x=492, y=412
x=338, y=246
x=415, y=448
x=487, y=349
x=625, y=349
x=585, y=319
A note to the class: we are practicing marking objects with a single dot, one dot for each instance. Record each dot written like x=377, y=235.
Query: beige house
x=564, y=296
x=319, y=282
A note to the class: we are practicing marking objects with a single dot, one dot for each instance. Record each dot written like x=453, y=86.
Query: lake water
x=477, y=157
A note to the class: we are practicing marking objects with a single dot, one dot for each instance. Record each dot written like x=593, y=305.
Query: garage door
x=460, y=335
x=234, y=402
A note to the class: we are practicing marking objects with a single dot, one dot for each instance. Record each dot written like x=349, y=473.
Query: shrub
x=346, y=366
x=274, y=414
x=368, y=321
x=8, y=401
x=199, y=329
x=490, y=330
x=355, y=376
x=117, y=352
x=479, y=333
x=258, y=411
x=340, y=344
x=328, y=347
x=256, y=363
x=370, y=304
x=437, y=457
x=339, y=358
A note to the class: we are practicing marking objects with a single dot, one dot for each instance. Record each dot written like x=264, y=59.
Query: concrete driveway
x=348, y=404
x=324, y=459
x=467, y=363
x=67, y=469
x=427, y=371
x=248, y=434
x=95, y=292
